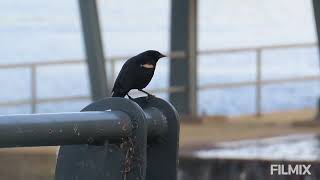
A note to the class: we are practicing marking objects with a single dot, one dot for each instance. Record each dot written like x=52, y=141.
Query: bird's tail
x=118, y=94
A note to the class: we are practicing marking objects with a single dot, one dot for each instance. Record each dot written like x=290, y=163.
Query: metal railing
x=107, y=140
x=258, y=82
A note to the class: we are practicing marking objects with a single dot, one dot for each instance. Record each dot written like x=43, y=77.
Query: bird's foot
x=129, y=97
x=150, y=96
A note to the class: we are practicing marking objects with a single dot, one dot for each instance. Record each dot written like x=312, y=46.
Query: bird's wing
x=126, y=77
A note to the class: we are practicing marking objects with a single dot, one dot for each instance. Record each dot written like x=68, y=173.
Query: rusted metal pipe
x=63, y=128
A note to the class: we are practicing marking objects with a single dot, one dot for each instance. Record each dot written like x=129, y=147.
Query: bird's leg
x=149, y=95
x=129, y=96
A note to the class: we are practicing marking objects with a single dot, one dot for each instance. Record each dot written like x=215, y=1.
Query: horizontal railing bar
x=247, y=49
x=290, y=80
x=171, y=89
x=44, y=100
x=15, y=103
x=74, y=128
x=226, y=85
x=70, y=98
x=263, y=82
x=63, y=128
x=48, y=63
x=59, y=99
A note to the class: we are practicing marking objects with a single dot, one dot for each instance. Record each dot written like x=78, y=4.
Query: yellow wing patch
x=148, y=66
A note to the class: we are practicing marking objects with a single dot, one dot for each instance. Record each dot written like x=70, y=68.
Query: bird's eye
x=148, y=66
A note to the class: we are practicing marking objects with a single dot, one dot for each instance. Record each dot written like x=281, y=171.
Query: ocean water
x=43, y=30
x=292, y=147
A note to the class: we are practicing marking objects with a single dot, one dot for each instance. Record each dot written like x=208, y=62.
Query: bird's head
x=153, y=55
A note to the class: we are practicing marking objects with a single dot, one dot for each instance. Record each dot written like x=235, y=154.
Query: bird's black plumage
x=136, y=73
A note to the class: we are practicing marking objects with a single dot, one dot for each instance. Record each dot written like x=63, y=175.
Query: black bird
x=136, y=73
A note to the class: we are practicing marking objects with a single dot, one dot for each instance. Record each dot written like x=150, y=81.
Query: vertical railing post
x=183, y=71
x=112, y=71
x=316, y=9
x=94, y=48
x=33, y=70
x=258, y=83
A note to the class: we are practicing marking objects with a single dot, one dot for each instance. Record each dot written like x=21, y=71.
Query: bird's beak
x=162, y=55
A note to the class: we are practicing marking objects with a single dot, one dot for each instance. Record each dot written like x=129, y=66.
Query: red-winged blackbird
x=136, y=73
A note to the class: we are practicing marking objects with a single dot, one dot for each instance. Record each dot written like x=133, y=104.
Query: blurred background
x=239, y=72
